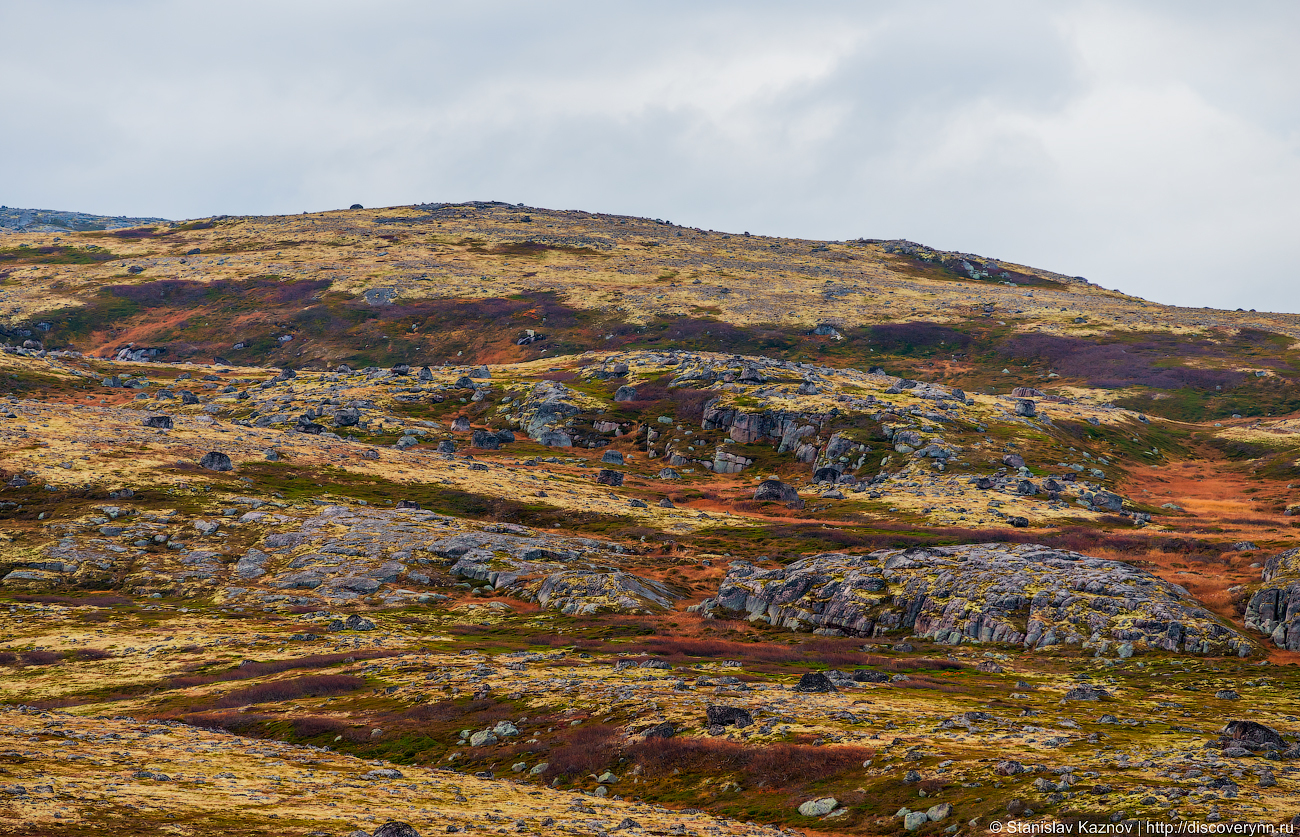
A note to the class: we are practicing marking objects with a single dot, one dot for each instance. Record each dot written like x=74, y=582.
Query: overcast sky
x=1152, y=147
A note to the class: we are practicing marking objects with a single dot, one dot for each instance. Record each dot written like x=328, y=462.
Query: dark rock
x=310, y=427
x=665, y=503
x=625, y=393
x=407, y=504
x=1108, y=501
x=446, y=446
x=608, y=477
x=664, y=730
x=1251, y=735
x=161, y=422
x=1018, y=522
x=426, y=374
x=1013, y=460
x=216, y=461
x=392, y=828
x=188, y=397
x=402, y=369
x=725, y=716
x=612, y=457
x=1087, y=693
x=485, y=440
x=814, y=681
x=866, y=675
x=1244, y=546
x=460, y=424
x=1025, y=407
x=778, y=492
x=826, y=474
x=1026, y=392
x=347, y=417
x=376, y=834
x=669, y=474
x=505, y=437
x=370, y=453
x=1009, y=768
x=358, y=623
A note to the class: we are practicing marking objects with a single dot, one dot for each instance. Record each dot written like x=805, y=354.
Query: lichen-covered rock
x=1026, y=595
x=1274, y=609
x=580, y=592
x=545, y=410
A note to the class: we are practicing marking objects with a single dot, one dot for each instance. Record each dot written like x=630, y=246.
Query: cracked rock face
x=1026, y=595
x=1274, y=609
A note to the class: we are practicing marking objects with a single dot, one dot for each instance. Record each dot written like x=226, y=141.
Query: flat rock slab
x=1026, y=595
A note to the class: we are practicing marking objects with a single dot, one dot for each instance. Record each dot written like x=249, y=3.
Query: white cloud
x=1153, y=147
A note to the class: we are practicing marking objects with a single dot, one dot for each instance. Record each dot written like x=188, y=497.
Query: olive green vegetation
x=54, y=254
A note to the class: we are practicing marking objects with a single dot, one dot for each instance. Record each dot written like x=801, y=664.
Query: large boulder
x=1250, y=735
x=216, y=461
x=485, y=440
x=1019, y=594
x=814, y=681
x=775, y=491
x=728, y=716
x=160, y=422
x=545, y=410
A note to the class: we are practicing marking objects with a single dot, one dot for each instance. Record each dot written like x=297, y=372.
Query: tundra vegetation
x=485, y=518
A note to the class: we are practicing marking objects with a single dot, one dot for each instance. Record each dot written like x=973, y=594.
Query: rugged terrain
x=494, y=518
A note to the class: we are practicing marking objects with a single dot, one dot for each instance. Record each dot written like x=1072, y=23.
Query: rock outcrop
x=1027, y=595
x=546, y=412
x=1274, y=609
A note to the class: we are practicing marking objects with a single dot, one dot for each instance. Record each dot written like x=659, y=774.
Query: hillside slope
x=576, y=521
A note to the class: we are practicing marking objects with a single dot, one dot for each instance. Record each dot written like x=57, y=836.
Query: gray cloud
x=1152, y=147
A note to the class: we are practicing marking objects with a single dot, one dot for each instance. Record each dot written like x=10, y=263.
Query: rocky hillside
x=449, y=515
